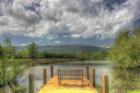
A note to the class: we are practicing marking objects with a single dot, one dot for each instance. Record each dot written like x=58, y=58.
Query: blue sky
x=52, y=22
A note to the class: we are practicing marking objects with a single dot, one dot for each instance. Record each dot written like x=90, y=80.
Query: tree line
x=8, y=51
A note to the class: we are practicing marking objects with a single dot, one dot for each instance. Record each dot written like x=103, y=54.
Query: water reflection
x=121, y=80
x=38, y=73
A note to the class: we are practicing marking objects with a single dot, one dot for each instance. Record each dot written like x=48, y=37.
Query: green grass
x=135, y=91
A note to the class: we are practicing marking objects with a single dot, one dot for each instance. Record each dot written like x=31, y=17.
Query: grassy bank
x=135, y=91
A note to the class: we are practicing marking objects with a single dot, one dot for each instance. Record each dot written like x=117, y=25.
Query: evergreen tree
x=8, y=49
x=32, y=50
x=1, y=51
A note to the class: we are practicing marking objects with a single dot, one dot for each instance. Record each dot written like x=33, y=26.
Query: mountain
x=68, y=48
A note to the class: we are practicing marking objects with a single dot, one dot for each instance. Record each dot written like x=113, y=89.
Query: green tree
x=8, y=77
x=32, y=50
x=10, y=69
x=124, y=80
x=8, y=49
x=126, y=49
x=1, y=51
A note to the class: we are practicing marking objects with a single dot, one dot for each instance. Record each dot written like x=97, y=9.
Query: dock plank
x=52, y=86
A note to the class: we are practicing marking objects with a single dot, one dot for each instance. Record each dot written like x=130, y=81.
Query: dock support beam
x=45, y=76
x=31, y=83
x=105, y=84
x=93, y=77
x=51, y=71
x=87, y=72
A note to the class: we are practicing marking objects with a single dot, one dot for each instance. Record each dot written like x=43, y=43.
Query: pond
x=117, y=77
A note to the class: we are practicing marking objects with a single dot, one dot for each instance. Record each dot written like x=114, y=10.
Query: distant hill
x=68, y=48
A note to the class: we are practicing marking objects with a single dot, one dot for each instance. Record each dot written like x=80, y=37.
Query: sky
x=56, y=22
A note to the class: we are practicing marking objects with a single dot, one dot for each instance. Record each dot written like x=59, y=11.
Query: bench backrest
x=70, y=74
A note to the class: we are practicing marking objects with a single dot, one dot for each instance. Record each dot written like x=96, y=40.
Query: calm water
x=101, y=67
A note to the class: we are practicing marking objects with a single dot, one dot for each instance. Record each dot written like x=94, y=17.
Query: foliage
x=126, y=49
x=10, y=68
x=100, y=55
x=1, y=51
x=30, y=53
x=124, y=80
x=135, y=91
x=126, y=55
x=24, y=54
x=57, y=55
x=19, y=89
x=9, y=72
x=8, y=49
x=32, y=50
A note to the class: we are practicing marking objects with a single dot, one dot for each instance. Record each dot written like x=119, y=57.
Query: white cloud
x=57, y=42
x=75, y=36
x=78, y=18
x=24, y=44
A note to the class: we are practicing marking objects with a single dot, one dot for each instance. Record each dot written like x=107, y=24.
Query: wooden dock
x=69, y=86
x=69, y=81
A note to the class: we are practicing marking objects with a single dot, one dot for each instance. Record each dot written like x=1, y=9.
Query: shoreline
x=59, y=61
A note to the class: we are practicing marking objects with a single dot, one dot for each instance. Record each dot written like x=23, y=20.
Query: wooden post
x=105, y=84
x=87, y=72
x=51, y=71
x=31, y=83
x=93, y=77
x=45, y=76
x=59, y=79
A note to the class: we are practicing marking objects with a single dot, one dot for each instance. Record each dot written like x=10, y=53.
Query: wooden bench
x=71, y=77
